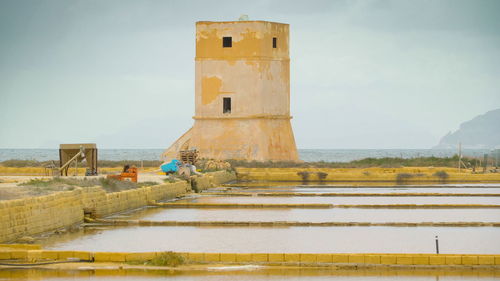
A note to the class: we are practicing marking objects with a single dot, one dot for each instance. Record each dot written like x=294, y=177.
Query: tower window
x=226, y=106
x=275, y=42
x=227, y=42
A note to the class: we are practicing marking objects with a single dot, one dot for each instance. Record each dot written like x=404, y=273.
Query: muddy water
x=379, y=200
x=318, y=215
x=480, y=240
x=460, y=240
x=249, y=273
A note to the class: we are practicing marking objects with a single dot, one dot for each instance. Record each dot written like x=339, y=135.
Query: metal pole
x=437, y=245
x=485, y=164
x=459, y=155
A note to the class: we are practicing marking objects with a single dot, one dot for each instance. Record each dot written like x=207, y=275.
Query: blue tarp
x=171, y=167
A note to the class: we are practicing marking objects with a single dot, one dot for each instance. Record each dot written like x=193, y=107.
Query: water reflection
x=316, y=215
x=379, y=200
x=373, y=189
x=464, y=240
x=257, y=184
x=318, y=274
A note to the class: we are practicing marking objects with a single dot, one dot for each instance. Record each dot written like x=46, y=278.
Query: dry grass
x=167, y=259
x=387, y=162
x=170, y=259
x=40, y=186
x=101, y=163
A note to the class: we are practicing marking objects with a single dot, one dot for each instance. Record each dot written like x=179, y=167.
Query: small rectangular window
x=227, y=42
x=226, y=107
x=275, y=42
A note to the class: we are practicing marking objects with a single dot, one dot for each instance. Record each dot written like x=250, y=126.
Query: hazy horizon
x=365, y=74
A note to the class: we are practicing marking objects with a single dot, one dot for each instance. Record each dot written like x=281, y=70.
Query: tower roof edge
x=237, y=21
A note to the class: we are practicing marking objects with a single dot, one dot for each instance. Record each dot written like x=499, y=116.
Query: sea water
x=309, y=155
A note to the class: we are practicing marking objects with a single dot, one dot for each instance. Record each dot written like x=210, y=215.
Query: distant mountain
x=482, y=132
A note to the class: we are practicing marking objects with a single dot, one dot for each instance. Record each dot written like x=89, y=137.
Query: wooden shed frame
x=70, y=151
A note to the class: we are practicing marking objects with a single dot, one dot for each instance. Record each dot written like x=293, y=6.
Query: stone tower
x=242, y=93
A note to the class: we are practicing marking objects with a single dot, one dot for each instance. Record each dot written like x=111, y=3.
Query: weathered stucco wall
x=256, y=87
x=251, y=139
x=256, y=77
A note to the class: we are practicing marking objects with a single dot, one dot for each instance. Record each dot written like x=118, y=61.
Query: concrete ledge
x=344, y=194
x=292, y=223
x=325, y=206
x=21, y=246
x=237, y=206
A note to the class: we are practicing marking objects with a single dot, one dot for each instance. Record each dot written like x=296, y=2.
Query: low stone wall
x=40, y=171
x=100, y=204
x=221, y=177
x=372, y=259
x=212, y=179
x=295, y=259
x=31, y=216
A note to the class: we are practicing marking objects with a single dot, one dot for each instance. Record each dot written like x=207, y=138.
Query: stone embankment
x=385, y=175
x=35, y=215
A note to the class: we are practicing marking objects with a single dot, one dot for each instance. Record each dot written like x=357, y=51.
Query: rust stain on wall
x=210, y=87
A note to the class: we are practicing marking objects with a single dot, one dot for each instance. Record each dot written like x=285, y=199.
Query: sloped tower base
x=244, y=139
x=240, y=139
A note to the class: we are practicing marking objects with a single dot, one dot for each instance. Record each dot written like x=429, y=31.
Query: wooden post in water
x=437, y=245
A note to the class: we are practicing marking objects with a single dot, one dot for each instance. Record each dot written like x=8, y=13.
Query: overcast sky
x=364, y=74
